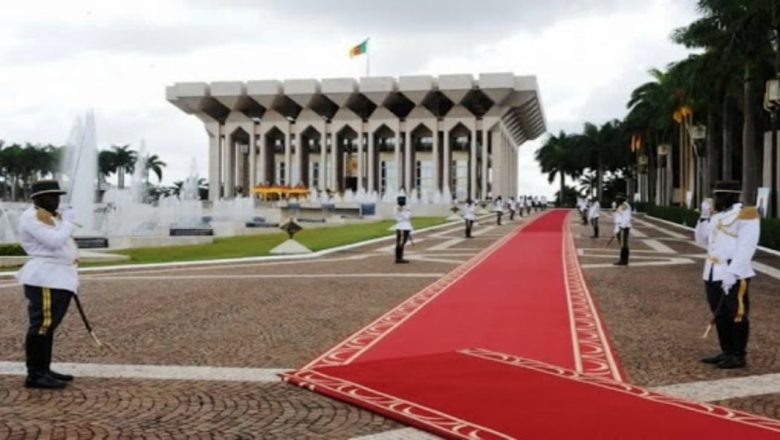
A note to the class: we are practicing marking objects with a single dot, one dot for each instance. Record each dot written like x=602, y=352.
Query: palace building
x=454, y=134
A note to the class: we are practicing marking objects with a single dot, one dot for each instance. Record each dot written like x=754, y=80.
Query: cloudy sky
x=59, y=58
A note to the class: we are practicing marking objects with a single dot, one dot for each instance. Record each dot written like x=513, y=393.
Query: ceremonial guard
x=622, y=227
x=594, y=212
x=731, y=236
x=50, y=279
x=498, y=207
x=512, y=208
x=582, y=207
x=403, y=228
x=470, y=215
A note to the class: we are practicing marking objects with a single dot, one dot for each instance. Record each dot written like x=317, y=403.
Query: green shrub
x=770, y=233
x=11, y=250
x=675, y=214
x=770, y=227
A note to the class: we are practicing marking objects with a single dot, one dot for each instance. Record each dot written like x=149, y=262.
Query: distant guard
x=470, y=216
x=731, y=236
x=498, y=207
x=622, y=227
x=403, y=229
x=50, y=279
x=594, y=212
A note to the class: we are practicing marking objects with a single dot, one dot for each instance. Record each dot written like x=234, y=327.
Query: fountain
x=8, y=218
x=79, y=170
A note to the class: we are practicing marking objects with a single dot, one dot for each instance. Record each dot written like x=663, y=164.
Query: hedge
x=11, y=250
x=770, y=227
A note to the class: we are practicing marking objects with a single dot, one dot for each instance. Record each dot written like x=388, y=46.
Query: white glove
x=69, y=215
x=729, y=279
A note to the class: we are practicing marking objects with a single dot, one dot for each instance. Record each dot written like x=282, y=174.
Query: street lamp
x=771, y=104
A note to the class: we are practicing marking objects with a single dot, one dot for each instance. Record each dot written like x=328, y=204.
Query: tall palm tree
x=155, y=165
x=124, y=159
x=739, y=32
x=555, y=158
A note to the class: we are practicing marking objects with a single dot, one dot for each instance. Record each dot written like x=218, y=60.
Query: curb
x=225, y=261
x=761, y=248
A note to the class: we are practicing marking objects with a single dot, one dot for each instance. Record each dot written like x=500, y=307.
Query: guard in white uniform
x=622, y=227
x=50, y=279
x=512, y=208
x=731, y=236
x=594, y=212
x=498, y=207
x=470, y=215
x=403, y=229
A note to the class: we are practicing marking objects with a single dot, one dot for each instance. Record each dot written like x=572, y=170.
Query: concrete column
x=252, y=163
x=398, y=165
x=333, y=158
x=495, y=138
x=228, y=175
x=262, y=177
x=287, y=158
x=446, y=163
x=473, y=166
x=408, y=162
x=324, y=174
x=483, y=186
x=371, y=160
x=214, y=161
x=361, y=170
x=298, y=169
x=436, y=161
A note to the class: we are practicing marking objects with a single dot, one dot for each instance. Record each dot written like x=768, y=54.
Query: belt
x=715, y=260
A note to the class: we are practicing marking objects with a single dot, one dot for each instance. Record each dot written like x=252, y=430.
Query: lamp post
x=699, y=137
x=664, y=151
x=771, y=104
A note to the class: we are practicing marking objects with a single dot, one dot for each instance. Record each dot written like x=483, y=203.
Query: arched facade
x=452, y=134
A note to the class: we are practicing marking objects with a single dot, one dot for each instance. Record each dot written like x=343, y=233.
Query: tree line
x=22, y=164
x=720, y=86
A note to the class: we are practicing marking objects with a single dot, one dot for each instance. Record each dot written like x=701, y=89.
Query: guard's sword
x=86, y=321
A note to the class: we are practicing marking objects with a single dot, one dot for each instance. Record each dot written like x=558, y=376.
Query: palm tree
x=738, y=32
x=589, y=184
x=555, y=159
x=155, y=165
x=124, y=159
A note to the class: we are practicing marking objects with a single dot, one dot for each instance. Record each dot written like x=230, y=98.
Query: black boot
x=37, y=370
x=47, y=361
x=714, y=359
x=731, y=362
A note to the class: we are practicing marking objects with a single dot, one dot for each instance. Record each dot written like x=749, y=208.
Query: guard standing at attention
x=50, y=279
x=498, y=207
x=622, y=227
x=594, y=212
x=470, y=215
x=731, y=236
x=512, y=208
x=403, y=228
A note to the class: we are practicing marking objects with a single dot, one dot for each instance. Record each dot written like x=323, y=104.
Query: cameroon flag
x=360, y=49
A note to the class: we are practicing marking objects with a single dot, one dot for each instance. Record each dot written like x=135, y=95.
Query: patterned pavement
x=256, y=319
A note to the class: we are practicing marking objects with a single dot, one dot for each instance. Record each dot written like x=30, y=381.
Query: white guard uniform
x=731, y=238
x=470, y=212
x=403, y=218
x=706, y=209
x=622, y=217
x=498, y=206
x=53, y=253
x=595, y=211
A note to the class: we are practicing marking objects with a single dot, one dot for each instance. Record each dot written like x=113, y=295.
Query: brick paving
x=218, y=318
x=654, y=314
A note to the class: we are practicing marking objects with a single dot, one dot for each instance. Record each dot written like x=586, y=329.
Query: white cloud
x=118, y=57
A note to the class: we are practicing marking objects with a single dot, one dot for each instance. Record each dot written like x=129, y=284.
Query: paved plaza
x=195, y=352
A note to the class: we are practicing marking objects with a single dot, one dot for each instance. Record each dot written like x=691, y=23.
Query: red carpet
x=524, y=296
x=487, y=395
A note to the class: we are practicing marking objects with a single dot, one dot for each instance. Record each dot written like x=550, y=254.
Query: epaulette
x=44, y=217
x=749, y=213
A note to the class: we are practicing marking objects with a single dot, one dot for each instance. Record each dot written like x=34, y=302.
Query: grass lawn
x=260, y=245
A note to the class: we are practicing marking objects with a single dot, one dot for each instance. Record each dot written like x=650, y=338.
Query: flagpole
x=368, y=59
